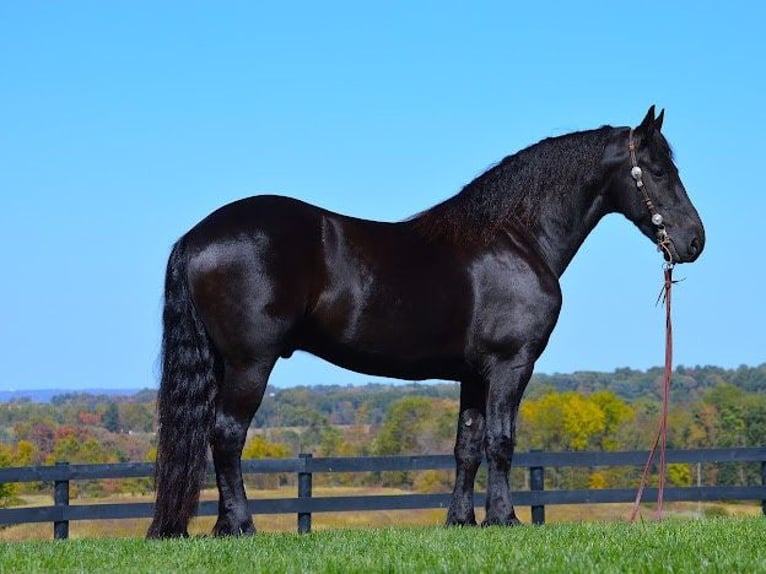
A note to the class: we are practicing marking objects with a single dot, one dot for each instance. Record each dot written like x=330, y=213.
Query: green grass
x=709, y=545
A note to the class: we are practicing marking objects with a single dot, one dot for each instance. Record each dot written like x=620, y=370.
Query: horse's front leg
x=506, y=386
x=468, y=451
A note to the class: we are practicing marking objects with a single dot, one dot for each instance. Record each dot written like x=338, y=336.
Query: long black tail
x=186, y=404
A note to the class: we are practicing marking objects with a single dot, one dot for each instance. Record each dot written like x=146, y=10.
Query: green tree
x=110, y=420
x=136, y=417
x=730, y=424
x=415, y=425
x=754, y=415
x=89, y=451
x=332, y=442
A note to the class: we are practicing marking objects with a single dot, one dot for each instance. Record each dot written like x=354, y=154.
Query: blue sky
x=124, y=123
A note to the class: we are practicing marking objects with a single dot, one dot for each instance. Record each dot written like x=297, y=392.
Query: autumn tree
x=7, y=489
x=41, y=433
x=259, y=447
x=572, y=421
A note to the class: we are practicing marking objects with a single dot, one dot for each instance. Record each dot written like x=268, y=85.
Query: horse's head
x=648, y=191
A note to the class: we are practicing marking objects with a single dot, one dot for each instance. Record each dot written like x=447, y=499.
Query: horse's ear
x=648, y=122
x=659, y=120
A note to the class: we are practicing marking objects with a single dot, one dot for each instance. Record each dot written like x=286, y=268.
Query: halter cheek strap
x=663, y=239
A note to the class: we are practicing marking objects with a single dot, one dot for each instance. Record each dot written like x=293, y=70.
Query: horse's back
x=271, y=214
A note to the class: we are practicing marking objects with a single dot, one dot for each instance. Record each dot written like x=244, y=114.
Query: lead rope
x=661, y=437
x=663, y=246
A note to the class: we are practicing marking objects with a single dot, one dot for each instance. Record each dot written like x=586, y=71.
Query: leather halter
x=663, y=239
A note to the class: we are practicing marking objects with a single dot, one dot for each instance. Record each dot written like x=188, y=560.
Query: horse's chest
x=513, y=302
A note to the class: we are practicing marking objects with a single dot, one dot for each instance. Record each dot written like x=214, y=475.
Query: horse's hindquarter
x=251, y=270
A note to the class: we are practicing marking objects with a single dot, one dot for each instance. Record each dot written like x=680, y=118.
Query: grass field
x=328, y=521
x=335, y=520
x=709, y=545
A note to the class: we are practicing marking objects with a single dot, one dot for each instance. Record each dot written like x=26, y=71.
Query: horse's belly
x=395, y=366
x=399, y=353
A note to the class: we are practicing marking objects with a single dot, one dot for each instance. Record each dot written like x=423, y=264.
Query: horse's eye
x=659, y=172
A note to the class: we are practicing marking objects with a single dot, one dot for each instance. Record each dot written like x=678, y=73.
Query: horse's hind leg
x=468, y=451
x=238, y=399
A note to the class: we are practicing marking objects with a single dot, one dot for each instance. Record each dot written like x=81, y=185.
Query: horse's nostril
x=694, y=246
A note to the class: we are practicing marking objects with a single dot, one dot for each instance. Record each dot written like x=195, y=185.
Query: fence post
x=537, y=484
x=304, y=492
x=61, y=499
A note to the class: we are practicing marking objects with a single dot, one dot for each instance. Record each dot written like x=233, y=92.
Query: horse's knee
x=228, y=434
x=470, y=437
x=499, y=451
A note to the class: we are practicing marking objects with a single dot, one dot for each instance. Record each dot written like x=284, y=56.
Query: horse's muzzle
x=688, y=244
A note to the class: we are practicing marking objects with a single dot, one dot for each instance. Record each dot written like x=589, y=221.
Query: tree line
x=711, y=407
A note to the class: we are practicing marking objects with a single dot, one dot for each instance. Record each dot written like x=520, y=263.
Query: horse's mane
x=519, y=188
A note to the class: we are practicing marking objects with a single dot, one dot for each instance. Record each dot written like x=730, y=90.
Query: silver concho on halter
x=638, y=176
x=663, y=239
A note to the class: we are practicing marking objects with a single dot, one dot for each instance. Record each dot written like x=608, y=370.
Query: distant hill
x=45, y=395
x=688, y=384
x=339, y=402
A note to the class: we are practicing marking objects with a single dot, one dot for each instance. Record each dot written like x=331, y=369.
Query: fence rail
x=305, y=466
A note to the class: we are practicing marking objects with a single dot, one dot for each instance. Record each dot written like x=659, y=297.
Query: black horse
x=467, y=291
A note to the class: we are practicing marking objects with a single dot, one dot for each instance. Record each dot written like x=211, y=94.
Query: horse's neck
x=567, y=197
x=560, y=232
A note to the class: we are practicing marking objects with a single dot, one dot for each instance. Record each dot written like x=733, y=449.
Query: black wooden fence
x=305, y=466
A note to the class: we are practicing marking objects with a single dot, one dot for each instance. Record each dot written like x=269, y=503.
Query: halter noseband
x=663, y=239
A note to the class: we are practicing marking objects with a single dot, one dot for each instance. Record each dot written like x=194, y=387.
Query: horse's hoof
x=496, y=521
x=461, y=514
x=225, y=528
x=453, y=521
x=163, y=532
x=153, y=535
